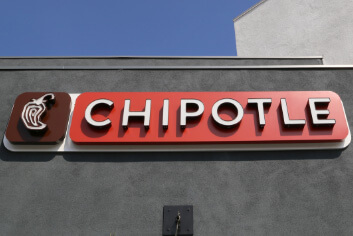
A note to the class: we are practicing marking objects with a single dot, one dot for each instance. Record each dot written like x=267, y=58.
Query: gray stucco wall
x=233, y=193
x=298, y=28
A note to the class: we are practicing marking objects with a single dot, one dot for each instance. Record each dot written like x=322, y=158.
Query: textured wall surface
x=298, y=28
x=233, y=193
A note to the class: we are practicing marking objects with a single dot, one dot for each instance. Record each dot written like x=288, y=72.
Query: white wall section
x=297, y=28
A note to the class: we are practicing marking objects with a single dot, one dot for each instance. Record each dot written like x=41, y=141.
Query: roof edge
x=158, y=57
x=249, y=10
x=266, y=67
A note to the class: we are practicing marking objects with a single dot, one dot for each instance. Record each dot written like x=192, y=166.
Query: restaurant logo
x=34, y=110
x=39, y=118
x=155, y=121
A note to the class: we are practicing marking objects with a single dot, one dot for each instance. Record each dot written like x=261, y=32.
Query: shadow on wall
x=6, y=155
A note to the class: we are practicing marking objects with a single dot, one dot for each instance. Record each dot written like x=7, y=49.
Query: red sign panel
x=208, y=117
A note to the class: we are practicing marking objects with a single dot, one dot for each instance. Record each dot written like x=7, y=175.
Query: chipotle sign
x=152, y=121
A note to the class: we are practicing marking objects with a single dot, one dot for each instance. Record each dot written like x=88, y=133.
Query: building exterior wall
x=298, y=28
x=233, y=193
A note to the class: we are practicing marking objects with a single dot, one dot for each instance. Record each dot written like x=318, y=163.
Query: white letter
x=288, y=122
x=145, y=114
x=260, y=102
x=94, y=105
x=184, y=114
x=315, y=114
x=165, y=113
x=226, y=123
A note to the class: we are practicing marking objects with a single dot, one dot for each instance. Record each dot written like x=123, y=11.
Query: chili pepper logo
x=34, y=110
